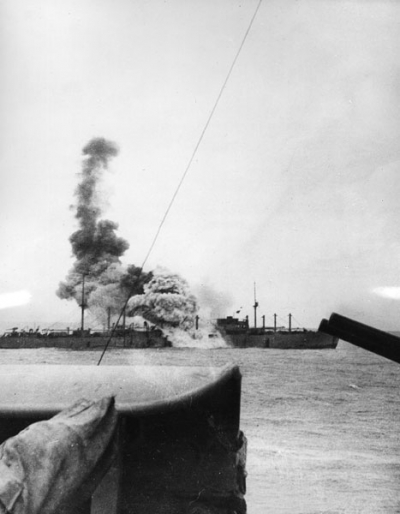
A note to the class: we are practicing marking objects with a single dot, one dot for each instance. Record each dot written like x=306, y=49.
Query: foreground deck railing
x=180, y=448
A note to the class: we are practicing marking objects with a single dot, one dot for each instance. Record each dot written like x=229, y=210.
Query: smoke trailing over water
x=95, y=245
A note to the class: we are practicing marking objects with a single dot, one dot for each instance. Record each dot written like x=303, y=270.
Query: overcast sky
x=295, y=185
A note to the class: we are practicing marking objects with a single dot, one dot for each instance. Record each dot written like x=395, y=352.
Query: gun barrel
x=370, y=338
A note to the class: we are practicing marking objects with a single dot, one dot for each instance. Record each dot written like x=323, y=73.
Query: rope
x=300, y=325
x=186, y=169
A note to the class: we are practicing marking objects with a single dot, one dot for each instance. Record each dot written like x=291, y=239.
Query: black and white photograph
x=200, y=258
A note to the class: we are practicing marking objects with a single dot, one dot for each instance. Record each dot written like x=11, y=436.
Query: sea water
x=322, y=425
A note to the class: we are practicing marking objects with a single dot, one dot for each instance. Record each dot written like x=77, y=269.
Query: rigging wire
x=293, y=319
x=300, y=325
x=186, y=171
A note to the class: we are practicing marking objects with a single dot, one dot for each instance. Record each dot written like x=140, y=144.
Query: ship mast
x=255, y=307
x=83, y=305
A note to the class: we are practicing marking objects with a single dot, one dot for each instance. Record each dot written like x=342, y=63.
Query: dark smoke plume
x=95, y=245
x=162, y=297
x=96, y=240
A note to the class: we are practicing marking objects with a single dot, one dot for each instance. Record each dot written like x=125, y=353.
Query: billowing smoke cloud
x=95, y=245
x=167, y=302
x=213, y=304
x=162, y=297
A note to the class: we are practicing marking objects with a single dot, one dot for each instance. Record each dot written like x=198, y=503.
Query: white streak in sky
x=14, y=299
x=388, y=292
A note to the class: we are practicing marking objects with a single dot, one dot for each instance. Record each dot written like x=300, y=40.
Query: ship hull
x=131, y=340
x=301, y=340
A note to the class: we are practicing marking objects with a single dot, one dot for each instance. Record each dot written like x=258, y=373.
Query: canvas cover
x=54, y=466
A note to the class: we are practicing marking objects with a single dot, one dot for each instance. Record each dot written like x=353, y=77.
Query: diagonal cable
x=186, y=169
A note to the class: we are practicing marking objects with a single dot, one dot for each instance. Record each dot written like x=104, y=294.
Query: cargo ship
x=238, y=334
x=86, y=339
